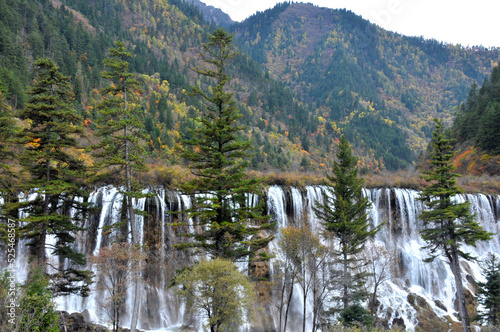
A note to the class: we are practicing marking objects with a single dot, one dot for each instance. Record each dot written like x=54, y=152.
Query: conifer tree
x=488, y=135
x=120, y=129
x=120, y=151
x=345, y=217
x=447, y=223
x=489, y=291
x=218, y=159
x=57, y=175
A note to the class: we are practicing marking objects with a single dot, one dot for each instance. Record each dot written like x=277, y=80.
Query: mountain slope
x=212, y=14
x=304, y=75
x=344, y=65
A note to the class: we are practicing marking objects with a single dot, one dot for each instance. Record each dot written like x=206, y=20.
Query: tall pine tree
x=120, y=128
x=447, y=223
x=57, y=176
x=218, y=159
x=489, y=291
x=120, y=151
x=345, y=217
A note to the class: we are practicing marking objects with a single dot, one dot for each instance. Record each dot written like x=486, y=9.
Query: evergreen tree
x=447, y=223
x=488, y=135
x=218, y=159
x=489, y=291
x=57, y=175
x=121, y=130
x=345, y=217
x=37, y=311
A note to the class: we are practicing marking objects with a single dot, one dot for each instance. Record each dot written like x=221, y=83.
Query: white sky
x=465, y=22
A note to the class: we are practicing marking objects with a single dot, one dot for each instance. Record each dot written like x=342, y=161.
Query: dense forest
x=476, y=128
x=304, y=75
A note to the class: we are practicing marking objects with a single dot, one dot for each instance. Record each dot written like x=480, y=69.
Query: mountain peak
x=212, y=14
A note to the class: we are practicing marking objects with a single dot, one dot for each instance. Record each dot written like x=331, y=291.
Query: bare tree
x=306, y=255
x=119, y=266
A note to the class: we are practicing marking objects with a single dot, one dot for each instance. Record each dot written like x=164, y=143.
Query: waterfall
x=397, y=209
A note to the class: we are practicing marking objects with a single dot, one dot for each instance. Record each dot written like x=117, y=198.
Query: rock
x=86, y=315
x=76, y=322
x=427, y=319
x=398, y=322
x=440, y=305
x=470, y=302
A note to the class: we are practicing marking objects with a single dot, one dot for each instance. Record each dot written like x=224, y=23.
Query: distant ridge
x=212, y=14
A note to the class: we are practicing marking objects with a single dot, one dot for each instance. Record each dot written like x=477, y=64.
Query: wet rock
x=427, y=319
x=398, y=322
x=76, y=322
x=440, y=305
x=470, y=302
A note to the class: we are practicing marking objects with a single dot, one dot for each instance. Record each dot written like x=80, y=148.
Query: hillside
x=212, y=14
x=304, y=75
x=356, y=73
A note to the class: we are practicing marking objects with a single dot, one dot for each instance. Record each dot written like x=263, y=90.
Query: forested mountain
x=476, y=128
x=212, y=14
x=363, y=79
x=303, y=76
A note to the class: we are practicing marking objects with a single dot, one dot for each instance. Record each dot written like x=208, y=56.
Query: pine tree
x=120, y=129
x=218, y=159
x=345, y=217
x=37, y=310
x=489, y=292
x=57, y=175
x=447, y=223
x=488, y=135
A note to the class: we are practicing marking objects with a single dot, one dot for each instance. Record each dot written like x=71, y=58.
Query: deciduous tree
x=119, y=266
x=217, y=290
x=305, y=259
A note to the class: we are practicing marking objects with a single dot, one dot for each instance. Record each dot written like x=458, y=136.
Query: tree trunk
x=455, y=267
x=288, y=303
x=282, y=302
x=46, y=203
x=315, y=306
x=345, y=283
x=304, y=298
x=131, y=216
x=43, y=233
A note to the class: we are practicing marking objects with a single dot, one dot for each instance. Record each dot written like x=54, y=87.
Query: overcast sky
x=464, y=22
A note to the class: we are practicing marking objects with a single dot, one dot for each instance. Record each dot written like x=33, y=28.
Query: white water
x=399, y=237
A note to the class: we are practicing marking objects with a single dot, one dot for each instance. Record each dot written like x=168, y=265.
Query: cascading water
x=399, y=238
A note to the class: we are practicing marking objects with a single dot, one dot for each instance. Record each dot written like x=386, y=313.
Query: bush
x=356, y=315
